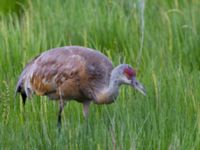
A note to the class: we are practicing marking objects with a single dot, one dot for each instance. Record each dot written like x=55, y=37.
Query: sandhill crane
x=75, y=73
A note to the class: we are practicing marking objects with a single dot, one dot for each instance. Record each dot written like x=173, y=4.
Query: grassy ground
x=168, y=64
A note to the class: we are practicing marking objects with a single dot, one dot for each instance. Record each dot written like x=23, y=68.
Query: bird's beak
x=138, y=86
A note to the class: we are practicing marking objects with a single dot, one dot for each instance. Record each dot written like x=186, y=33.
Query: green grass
x=8, y=6
x=168, y=65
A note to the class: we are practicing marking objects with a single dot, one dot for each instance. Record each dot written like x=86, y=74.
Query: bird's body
x=71, y=72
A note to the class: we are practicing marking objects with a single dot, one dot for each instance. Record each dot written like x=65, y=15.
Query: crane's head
x=125, y=74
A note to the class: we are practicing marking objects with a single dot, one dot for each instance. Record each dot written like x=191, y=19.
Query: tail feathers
x=19, y=89
x=23, y=85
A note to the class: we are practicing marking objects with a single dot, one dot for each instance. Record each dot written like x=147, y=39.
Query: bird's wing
x=48, y=75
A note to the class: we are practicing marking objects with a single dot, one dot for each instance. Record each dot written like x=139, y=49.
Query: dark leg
x=23, y=98
x=59, y=124
x=61, y=106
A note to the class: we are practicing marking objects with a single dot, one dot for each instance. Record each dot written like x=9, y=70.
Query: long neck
x=113, y=89
x=109, y=93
